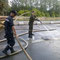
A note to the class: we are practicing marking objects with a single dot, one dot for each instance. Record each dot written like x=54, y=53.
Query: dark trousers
x=30, y=30
x=10, y=43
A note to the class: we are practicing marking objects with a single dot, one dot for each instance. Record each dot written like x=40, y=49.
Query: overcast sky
x=9, y=2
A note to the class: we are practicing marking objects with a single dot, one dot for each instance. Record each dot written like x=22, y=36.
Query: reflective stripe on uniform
x=7, y=20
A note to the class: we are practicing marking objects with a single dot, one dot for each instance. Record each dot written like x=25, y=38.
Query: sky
x=9, y=2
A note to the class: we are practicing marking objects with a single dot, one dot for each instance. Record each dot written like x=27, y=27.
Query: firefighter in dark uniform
x=10, y=32
x=32, y=19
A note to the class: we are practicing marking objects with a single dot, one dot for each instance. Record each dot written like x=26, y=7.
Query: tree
x=44, y=7
x=3, y=7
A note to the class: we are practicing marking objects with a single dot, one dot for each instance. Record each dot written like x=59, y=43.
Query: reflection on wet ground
x=53, y=34
x=40, y=48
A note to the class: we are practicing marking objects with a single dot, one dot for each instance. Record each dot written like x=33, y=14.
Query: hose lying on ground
x=23, y=49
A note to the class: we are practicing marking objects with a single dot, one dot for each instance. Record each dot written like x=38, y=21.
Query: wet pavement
x=44, y=46
x=1, y=34
x=16, y=46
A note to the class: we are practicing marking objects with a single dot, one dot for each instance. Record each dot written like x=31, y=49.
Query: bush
x=42, y=14
x=24, y=11
x=53, y=14
x=47, y=14
x=20, y=12
x=38, y=13
x=27, y=12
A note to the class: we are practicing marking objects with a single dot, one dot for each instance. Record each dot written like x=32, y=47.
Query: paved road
x=40, y=48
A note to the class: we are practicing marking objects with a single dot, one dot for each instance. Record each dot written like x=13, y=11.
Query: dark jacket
x=32, y=19
x=8, y=26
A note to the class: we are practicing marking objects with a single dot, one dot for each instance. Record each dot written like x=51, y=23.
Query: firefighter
x=31, y=21
x=10, y=32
